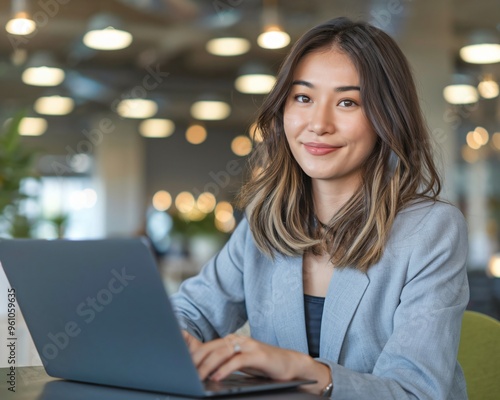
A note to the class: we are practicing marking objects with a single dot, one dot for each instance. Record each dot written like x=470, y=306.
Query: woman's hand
x=191, y=341
x=219, y=358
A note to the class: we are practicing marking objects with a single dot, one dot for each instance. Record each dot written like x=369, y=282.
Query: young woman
x=347, y=267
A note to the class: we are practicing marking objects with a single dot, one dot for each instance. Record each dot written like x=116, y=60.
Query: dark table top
x=32, y=383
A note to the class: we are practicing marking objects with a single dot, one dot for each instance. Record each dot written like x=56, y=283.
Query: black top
x=313, y=307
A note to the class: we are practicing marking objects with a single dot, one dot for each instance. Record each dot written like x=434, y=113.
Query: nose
x=321, y=119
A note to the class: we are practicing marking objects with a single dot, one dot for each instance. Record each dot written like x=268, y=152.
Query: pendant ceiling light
x=228, y=46
x=461, y=91
x=210, y=107
x=105, y=33
x=21, y=22
x=42, y=70
x=30, y=126
x=483, y=48
x=273, y=35
x=137, y=108
x=156, y=128
x=255, y=79
x=54, y=105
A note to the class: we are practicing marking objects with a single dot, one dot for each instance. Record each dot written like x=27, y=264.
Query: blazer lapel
x=288, y=302
x=344, y=294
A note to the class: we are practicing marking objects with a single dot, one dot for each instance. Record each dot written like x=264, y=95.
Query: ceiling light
x=42, y=70
x=210, y=110
x=43, y=76
x=105, y=33
x=228, y=46
x=481, y=135
x=488, y=88
x=196, y=134
x=184, y=202
x=54, y=105
x=255, y=83
x=241, y=145
x=461, y=91
x=137, y=108
x=227, y=226
x=195, y=214
x=156, y=128
x=107, y=39
x=486, y=53
x=460, y=94
x=494, y=265
x=472, y=141
x=206, y=202
x=484, y=48
x=224, y=206
x=273, y=37
x=224, y=218
x=495, y=140
x=32, y=126
x=469, y=154
x=162, y=200
x=21, y=22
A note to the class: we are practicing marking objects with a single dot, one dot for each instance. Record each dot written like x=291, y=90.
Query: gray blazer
x=392, y=333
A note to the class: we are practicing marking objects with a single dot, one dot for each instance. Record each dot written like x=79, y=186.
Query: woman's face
x=325, y=126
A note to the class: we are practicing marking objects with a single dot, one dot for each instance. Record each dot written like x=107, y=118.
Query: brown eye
x=347, y=103
x=302, y=98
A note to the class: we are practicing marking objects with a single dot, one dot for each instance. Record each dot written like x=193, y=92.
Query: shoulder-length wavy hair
x=400, y=170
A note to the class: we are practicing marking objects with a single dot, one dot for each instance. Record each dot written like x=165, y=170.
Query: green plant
x=16, y=164
x=59, y=221
x=189, y=228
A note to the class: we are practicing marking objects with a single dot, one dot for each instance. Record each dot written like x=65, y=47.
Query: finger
x=191, y=341
x=235, y=363
x=229, y=342
x=204, y=350
x=214, y=360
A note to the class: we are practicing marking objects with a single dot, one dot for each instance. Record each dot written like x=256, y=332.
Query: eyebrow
x=337, y=89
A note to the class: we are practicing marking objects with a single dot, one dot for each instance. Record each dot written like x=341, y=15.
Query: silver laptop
x=98, y=312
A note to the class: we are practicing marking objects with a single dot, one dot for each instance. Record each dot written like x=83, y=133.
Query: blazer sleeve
x=419, y=360
x=212, y=303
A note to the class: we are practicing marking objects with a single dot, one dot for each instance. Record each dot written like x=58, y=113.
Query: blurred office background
x=135, y=117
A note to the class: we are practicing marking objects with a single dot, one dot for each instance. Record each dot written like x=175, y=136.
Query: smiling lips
x=319, y=149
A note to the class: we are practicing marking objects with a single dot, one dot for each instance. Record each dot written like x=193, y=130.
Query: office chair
x=479, y=355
